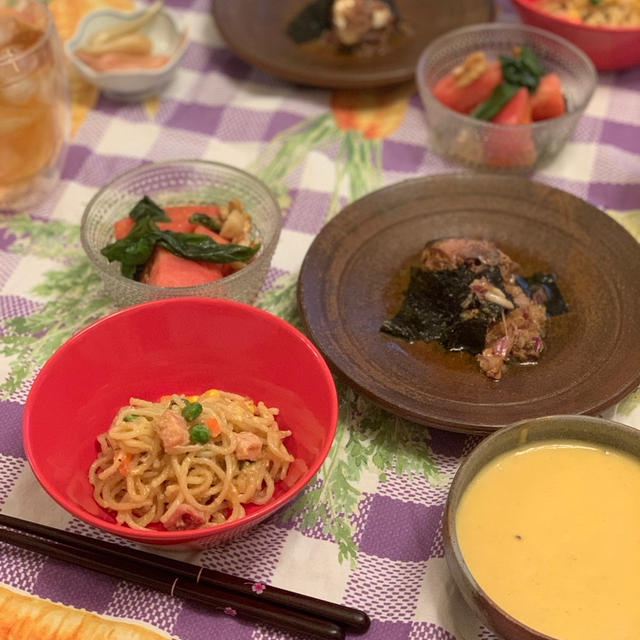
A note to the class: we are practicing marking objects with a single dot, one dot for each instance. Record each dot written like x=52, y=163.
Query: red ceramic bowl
x=610, y=48
x=177, y=345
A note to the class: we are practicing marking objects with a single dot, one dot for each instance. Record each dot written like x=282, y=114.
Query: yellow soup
x=551, y=533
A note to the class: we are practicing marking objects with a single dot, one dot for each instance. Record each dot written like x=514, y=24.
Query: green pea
x=199, y=433
x=191, y=410
x=130, y=417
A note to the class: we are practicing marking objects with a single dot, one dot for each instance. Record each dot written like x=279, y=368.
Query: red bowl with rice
x=610, y=48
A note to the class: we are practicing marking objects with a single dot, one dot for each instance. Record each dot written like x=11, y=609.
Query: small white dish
x=131, y=84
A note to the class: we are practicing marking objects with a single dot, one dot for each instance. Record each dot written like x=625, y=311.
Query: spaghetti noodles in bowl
x=188, y=462
x=176, y=346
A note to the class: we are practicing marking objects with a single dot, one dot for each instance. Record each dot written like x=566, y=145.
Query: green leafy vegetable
x=147, y=208
x=134, y=250
x=205, y=221
x=530, y=60
x=523, y=70
x=498, y=98
x=196, y=246
x=130, y=417
x=199, y=433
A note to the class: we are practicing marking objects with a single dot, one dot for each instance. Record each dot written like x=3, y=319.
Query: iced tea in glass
x=34, y=103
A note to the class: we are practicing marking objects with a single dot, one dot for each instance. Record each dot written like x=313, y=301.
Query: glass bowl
x=181, y=182
x=498, y=147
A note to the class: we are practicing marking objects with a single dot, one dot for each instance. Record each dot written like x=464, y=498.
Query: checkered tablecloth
x=371, y=536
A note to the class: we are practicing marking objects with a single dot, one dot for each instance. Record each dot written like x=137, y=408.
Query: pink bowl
x=610, y=48
x=176, y=345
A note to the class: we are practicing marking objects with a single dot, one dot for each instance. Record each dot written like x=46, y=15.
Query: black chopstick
x=225, y=601
x=232, y=586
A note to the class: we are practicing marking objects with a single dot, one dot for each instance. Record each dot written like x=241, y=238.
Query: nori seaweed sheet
x=467, y=335
x=432, y=305
x=543, y=287
x=311, y=21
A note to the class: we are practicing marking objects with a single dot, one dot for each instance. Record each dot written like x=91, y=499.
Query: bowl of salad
x=182, y=228
x=503, y=97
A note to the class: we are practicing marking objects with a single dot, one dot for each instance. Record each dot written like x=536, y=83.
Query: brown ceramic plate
x=354, y=274
x=255, y=31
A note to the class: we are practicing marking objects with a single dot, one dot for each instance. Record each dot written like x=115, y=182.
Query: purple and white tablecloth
x=367, y=532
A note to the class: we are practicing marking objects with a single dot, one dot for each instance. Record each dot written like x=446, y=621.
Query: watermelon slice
x=165, y=269
x=225, y=269
x=179, y=226
x=517, y=110
x=179, y=216
x=509, y=148
x=548, y=101
x=122, y=227
x=465, y=99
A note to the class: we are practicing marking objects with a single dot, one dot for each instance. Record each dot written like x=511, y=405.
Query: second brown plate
x=256, y=31
x=355, y=272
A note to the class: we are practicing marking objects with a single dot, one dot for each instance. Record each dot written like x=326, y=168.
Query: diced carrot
x=214, y=426
x=295, y=471
x=123, y=467
x=169, y=270
x=122, y=227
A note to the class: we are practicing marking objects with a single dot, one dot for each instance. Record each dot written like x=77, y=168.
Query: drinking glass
x=34, y=103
